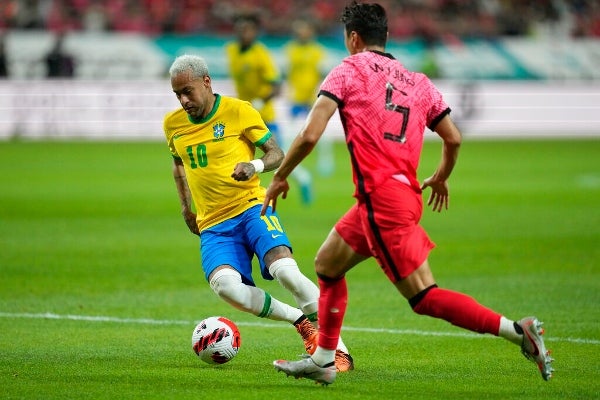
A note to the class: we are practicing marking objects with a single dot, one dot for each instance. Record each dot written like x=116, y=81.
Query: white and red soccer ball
x=216, y=340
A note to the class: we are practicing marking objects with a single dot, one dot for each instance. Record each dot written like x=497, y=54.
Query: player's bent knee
x=227, y=284
x=277, y=253
x=416, y=299
x=282, y=268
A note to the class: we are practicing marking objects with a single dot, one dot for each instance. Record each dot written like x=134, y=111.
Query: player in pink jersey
x=384, y=110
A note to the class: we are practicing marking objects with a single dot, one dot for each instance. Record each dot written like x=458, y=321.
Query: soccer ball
x=216, y=340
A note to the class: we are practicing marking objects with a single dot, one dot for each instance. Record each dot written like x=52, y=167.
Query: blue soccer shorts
x=235, y=242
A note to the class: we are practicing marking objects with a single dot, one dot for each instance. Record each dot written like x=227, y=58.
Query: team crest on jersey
x=218, y=131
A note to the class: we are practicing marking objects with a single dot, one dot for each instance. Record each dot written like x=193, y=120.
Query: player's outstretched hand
x=276, y=188
x=439, y=193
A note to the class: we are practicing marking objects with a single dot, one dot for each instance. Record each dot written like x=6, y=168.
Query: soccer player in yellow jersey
x=255, y=75
x=213, y=140
x=257, y=79
x=305, y=58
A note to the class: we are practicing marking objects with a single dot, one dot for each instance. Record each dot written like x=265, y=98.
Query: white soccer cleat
x=306, y=368
x=533, y=346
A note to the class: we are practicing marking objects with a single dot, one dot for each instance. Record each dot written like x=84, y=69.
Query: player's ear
x=355, y=40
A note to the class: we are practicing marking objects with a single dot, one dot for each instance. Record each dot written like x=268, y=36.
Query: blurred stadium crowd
x=428, y=19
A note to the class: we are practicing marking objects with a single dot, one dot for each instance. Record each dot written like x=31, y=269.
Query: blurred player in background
x=213, y=140
x=3, y=57
x=257, y=79
x=385, y=109
x=59, y=63
x=305, y=58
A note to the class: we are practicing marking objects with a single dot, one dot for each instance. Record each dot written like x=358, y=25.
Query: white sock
x=305, y=292
x=280, y=311
x=342, y=346
x=227, y=284
x=508, y=332
x=322, y=356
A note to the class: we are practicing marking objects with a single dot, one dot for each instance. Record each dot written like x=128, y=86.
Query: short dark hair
x=252, y=18
x=368, y=20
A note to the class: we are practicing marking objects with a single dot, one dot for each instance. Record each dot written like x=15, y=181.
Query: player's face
x=247, y=32
x=194, y=94
x=303, y=31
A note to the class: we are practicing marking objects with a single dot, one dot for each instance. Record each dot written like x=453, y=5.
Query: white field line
x=270, y=325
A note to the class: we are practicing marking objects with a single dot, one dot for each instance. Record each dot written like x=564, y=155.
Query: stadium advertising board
x=134, y=109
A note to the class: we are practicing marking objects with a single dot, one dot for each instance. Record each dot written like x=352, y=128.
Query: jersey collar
x=384, y=54
x=210, y=114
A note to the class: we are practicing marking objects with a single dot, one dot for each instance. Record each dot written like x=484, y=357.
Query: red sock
x=458, y=309
x=332, y=308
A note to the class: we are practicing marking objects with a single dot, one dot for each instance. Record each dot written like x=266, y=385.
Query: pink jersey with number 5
x=384, y=110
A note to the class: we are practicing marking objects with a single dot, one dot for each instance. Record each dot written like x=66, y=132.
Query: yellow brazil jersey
x=304, y=70
x=253, y=72
x=210, y=148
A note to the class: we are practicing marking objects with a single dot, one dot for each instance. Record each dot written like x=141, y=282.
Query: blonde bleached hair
x=189, y=62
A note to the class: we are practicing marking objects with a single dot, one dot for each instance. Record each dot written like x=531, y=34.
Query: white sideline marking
x=149, y=321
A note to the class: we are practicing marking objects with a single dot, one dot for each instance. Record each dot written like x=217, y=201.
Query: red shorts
x=385, y=225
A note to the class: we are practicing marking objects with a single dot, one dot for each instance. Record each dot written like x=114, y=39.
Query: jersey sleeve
x=168, y=131
x=255, y=130
x=334, y=84
x=438, y=108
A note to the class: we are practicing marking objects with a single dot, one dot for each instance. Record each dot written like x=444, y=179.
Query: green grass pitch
x=101, y=287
